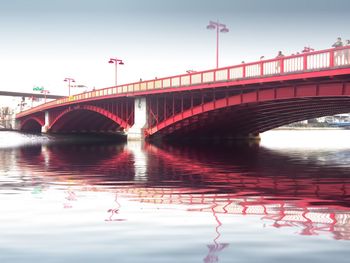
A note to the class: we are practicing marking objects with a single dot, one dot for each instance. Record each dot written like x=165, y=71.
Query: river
x=286, y=199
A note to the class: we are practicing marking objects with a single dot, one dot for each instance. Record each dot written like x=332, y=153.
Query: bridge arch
x=32, y=124
x=257, y=110
x=109, y=120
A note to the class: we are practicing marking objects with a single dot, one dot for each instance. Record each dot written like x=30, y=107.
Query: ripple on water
x=101, y=202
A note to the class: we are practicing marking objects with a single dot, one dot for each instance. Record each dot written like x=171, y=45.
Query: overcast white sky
x=43, y=41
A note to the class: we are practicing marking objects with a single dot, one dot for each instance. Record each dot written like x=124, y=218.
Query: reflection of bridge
x=233, y=101
x=253, y=172
x=311, y=220
x=316, y=202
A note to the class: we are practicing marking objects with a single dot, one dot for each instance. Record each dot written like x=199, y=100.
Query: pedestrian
x=279, y=54
x=278, y=62
x=338, y=43
x=307, y=49
x=338, y=55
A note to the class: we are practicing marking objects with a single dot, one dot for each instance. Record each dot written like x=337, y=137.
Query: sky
x=44, y=41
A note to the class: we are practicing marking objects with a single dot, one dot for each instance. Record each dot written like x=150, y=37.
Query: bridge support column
x=45, y=128
x=13, y=123
x=140, y=120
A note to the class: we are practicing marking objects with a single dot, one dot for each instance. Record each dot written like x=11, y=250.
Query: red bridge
x=241, y=100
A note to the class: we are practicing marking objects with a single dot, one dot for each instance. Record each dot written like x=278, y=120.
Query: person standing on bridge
x=338, y=43
x=278, y=63
x=307, y=49
x=338, y=54
x=280, y=54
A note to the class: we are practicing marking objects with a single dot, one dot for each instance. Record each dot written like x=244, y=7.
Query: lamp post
x=219, y=27
x=69, y=80
x=116, y=61
x=45, y=91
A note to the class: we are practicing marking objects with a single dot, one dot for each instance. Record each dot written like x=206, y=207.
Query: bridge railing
x=305, y=62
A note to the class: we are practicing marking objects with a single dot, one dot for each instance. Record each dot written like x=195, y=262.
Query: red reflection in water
x=114, y=211
x=254, y=183
x=70, y=197
x=215, y=248
x=310, y=220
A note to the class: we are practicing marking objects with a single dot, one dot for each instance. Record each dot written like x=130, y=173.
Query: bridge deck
x=323, y=63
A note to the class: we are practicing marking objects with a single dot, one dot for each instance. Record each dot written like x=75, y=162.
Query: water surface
x=286, y=199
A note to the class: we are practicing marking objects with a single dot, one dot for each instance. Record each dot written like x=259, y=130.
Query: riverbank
x=309, y=128
x=6, y=129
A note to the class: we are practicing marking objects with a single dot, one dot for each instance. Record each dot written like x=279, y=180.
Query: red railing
x=300, y=63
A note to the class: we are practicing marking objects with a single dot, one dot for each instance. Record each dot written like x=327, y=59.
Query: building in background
x=6, y=117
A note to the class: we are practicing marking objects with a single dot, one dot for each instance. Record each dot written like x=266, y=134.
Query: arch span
x=92, y=120
x=32, y=124
x=257, y=110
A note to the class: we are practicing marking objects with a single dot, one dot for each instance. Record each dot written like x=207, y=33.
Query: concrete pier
x=45, y=128
x=136, y=132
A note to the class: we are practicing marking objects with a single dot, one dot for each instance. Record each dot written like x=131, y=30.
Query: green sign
x=38, y=88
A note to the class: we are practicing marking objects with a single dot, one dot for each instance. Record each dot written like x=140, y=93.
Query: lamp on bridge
x=45, y=91
x=219, y=28
x=116, y=61
x=69, y=80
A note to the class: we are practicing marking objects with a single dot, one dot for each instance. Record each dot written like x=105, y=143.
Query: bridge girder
x=247, y=111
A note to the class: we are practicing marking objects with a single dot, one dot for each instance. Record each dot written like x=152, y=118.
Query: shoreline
x=308, y=128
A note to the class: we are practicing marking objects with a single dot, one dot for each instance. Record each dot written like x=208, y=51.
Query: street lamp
x=45, y=91
x=219, y=27
x=116, y=61
x=69, y=81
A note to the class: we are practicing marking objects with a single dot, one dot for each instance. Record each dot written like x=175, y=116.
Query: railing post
x=331, y=58
x=282, y=65
x=305, y=62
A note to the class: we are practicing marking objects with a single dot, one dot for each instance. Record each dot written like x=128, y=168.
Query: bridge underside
x=246, y=111
x=31, y=125
x=84, y=121
x=250, y=119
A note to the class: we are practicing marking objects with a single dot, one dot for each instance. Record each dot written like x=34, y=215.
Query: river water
x=68, y=200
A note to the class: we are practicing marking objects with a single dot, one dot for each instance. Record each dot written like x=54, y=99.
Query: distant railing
x=305, y=62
